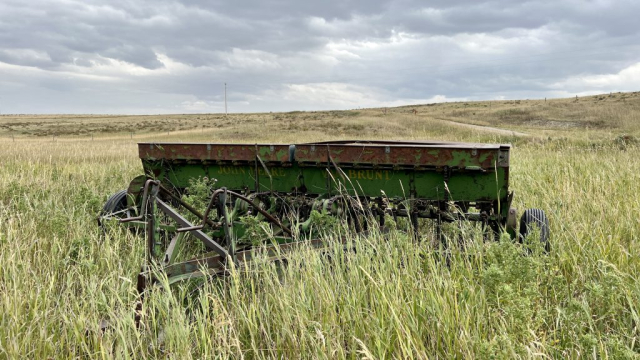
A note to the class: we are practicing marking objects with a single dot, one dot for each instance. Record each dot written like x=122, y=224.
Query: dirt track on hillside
x=484, y=128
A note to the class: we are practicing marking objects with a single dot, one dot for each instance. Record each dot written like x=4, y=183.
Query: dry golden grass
x=600, y=116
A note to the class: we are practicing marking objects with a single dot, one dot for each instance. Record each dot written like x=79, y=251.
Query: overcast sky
x=164, y=56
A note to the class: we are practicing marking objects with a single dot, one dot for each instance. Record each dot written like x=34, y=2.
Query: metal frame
x=419, y=180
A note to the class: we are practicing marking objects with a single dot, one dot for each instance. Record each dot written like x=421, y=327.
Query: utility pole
x=225, y=99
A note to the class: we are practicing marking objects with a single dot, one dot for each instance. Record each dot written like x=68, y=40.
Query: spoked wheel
x=535, y=218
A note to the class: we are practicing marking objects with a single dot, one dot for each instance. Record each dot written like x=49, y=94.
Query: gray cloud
x=174, y=56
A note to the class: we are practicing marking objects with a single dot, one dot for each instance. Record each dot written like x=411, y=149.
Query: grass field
x=393, y=298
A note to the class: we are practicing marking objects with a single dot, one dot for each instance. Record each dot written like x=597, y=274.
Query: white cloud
x=324, y=96
x=26, y=55
x=12, y=71
x=627, y=79
x=200, y=106
x=254, y=60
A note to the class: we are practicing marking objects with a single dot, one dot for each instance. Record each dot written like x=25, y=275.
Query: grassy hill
x=598, y=116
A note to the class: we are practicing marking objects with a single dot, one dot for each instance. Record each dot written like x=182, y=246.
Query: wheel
x=116, y=203
x=114, y=207
x=535, y=218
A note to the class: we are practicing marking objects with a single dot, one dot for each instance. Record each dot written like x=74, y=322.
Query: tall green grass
x=390, y=298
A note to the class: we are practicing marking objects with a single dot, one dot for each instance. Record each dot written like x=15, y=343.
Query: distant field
x=393, y=298
x=597, y=116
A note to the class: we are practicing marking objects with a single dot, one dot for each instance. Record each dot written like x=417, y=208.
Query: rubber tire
x=537, y=218
x=115, y=203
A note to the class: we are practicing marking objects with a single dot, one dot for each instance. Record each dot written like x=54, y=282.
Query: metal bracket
x=503, y=158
